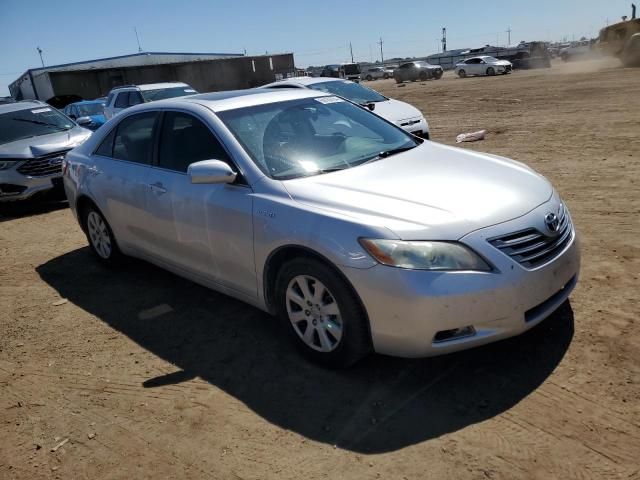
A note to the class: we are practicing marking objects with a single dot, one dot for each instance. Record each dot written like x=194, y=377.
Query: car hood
x=395, y=110
x=44, y=144
x=432, y=192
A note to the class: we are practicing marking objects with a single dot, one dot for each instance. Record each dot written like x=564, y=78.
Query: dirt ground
x=150, y=376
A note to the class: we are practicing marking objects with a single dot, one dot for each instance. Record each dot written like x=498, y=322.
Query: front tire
x=423, y=76
x=321, y=313
x=369, y=78
x=100, y=236
x=491, y=71
x=462, y=73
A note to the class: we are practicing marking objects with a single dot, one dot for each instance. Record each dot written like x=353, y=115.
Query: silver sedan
x=358, y=236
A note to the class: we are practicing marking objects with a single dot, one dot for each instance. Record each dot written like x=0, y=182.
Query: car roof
x=221, y=101
x=152, y=86
x=23, y=105
x=305, y=81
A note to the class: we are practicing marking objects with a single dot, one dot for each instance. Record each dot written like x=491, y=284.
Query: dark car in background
x=418, y=70
x=88, y=113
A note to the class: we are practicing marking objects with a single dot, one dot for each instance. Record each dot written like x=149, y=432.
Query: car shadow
x=380, y=405
x=36, y=206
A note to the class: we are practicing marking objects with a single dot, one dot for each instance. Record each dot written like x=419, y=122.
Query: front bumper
x=15, y=186
x=416, y=126
x=410, y=309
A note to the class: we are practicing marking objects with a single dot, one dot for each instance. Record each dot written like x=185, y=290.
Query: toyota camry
x=359, y=236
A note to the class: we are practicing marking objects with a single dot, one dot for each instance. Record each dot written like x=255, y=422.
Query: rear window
x=32, y=122
x=162, y=93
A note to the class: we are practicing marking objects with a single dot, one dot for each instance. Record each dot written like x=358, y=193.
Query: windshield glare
x=88, y=109
x=349, y=90
x=162, y=93
x=306, y=137
x=32, y=122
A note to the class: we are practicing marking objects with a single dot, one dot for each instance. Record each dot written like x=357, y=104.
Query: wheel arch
x=284, y=253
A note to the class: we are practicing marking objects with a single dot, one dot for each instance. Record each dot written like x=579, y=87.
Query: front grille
x=43, y=166
x=531, y=248
x=408, y=123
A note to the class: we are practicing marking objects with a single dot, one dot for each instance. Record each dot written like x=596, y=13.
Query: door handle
x=158, y=188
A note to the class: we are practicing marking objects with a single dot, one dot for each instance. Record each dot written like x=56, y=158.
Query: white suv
x=129, y=95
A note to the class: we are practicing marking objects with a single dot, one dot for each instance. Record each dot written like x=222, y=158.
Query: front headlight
x=7, y=164
x=421, y=255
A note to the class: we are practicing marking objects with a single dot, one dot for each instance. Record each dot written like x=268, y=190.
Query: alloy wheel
x=99, y=234
x=314, y=313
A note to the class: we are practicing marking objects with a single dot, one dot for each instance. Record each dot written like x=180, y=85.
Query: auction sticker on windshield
x=326, y=100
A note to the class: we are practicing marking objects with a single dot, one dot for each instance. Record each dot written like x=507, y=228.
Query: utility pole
x=381, y=54
x=40, y=53
x=351, y=49
x=137, y=40
x=509, y=37
x=444, y=39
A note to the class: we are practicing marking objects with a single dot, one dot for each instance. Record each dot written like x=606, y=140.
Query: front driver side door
x=205, y=230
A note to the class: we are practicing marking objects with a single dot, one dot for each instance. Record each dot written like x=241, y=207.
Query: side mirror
x=83, y=120
x=371, y=106
x=211, y=171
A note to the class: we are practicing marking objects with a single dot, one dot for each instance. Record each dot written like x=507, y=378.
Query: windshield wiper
x=393, y=151
x=386, y=153
x=38, y=122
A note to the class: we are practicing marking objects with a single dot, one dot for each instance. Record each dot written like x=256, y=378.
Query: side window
x=134, y=138
x=109, y=99
x=123, y=100
x=135, y=98
x=184, y=140
x=106, y=147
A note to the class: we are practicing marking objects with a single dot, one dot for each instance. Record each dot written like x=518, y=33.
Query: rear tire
x=385, y=76
x=398, y=80
x=100, y=236
x=322, y=313
x=462, y=73
x=491, y=71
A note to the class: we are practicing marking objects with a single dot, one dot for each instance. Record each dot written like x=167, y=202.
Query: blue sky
x=317, y=32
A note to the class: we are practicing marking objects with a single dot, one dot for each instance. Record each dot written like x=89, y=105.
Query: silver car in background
x=375, y=73
x=34, y=138
x=357, y=235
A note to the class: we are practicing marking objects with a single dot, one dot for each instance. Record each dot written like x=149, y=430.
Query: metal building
x=206, y=72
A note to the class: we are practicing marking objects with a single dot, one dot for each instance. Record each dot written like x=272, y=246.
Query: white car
x=484, y=65
x=129, y=95
x=399, y=113
x=375, y=73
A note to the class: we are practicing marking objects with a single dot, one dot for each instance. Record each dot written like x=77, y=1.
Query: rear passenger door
x=204, y=230
x=119, y=178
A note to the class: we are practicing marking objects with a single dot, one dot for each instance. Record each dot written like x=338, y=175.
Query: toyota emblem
x=552, y=222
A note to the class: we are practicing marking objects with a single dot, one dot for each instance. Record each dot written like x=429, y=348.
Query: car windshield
x=311, y=136
x=32, y=122
x=88, y=109
x=489, y=59
x=162, y=93
x=349, y=90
